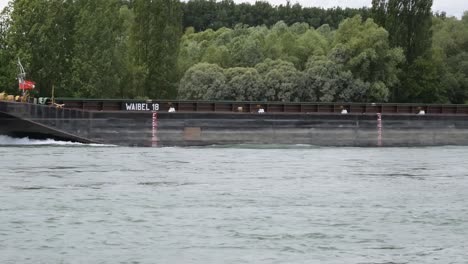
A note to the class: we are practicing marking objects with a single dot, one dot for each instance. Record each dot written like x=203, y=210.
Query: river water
x=72, y=203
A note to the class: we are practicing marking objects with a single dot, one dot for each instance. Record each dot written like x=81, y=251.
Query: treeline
x=396, y=51
x=212, y=14
x=428, y=73
x=290, y=63
x=404, y=54
x=93, y=48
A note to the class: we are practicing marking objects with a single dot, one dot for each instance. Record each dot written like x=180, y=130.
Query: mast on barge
x=24, y=85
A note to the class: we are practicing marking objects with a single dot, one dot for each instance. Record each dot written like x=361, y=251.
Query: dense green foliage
x=450, y=54
x=6, y=71
x=209, y=14
x=397, y=51
x=296, y=63
x=156, y=34
x=409, y=24
x=96, y=60
x=97, y=49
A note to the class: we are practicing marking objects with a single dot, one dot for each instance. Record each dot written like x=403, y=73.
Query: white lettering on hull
x=141, y=107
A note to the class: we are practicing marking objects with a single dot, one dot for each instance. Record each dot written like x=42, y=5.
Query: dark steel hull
x=136, y=128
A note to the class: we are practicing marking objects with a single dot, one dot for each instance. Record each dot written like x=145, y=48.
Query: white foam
x=10, y=141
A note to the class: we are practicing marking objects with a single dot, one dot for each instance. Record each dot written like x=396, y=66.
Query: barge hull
x=129, y=128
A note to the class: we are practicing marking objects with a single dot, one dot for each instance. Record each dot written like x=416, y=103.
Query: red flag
x=26, y=85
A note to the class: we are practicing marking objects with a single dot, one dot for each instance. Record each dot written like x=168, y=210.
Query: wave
x=11, y=141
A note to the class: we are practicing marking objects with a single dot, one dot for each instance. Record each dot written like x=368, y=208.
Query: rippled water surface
x=241, y=204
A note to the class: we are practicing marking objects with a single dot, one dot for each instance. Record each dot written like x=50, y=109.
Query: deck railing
x=269, y=107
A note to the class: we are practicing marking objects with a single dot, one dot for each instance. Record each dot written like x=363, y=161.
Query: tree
x=97, y=64
x=424, y=77
x=309, y=43
x=363, y=48
x=205, y=14
x=358, y=54
x=133, y=75
x=203, y=81
x=450, y=46
x=409, y=24
x=243, y=84
x=199, y=14
x=327, y=81
x=41, y=35
x=283, y=82
x=245, y=51
x=379, y=11
x=156, y=38
x=7, y=67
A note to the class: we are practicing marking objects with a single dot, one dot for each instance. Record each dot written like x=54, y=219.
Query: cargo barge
x=195, y=123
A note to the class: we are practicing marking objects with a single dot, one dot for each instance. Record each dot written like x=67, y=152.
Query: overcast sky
x=452, y=7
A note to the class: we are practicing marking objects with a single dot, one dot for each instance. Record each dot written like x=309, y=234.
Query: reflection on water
x=235, y=204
